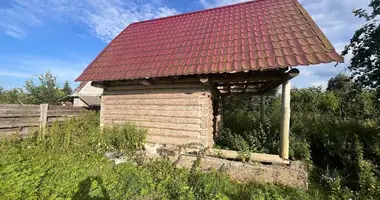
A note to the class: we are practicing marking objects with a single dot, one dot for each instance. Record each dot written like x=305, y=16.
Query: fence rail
x=20, y=119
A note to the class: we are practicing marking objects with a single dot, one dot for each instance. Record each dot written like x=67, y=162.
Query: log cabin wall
x=173, y=113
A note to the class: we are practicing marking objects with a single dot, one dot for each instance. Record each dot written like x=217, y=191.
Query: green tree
x=14, y=96
x=340, y=82
x=67, y=89
x=46, y=92
x=365, y=48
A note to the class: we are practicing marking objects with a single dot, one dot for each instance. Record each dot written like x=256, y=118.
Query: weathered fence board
x=22, y=118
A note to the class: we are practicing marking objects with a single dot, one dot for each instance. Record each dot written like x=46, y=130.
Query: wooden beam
x=260, y=157
x=257, y=76
x=99, y=84
x=275, y=83
x=146, y=82
x=285, y=121
x=207, y=82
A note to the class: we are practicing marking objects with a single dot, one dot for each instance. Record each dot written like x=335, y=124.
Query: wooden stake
x=43, y=116
x=285, y=121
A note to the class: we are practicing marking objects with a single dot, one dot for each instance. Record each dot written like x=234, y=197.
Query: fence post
x=43, y=115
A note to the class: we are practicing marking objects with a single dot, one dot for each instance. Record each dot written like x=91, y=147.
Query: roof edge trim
x=312, y=23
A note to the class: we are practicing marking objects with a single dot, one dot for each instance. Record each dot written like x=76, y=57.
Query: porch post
x=285, y=121
x=219, y=117
x=262, y=108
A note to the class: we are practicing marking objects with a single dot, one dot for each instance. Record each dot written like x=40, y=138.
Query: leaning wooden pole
x=285, y=121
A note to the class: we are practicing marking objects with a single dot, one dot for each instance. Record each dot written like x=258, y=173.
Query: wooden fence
x=22, y=118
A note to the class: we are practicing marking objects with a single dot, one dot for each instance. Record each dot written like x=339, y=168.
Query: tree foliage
x=67, y=88
x=339, y=83
x=46, y=90
x=365, y=48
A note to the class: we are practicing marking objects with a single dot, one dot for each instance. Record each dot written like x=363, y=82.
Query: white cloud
x=217, y=3
x=106, y=18
x=6, y=73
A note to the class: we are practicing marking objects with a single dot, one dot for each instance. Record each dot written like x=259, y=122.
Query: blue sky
x=64, y=36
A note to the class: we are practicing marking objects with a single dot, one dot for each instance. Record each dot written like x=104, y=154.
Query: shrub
x=126, y=138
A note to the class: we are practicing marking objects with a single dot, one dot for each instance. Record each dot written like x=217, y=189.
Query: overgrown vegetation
x=337, y=131
x=67, y=162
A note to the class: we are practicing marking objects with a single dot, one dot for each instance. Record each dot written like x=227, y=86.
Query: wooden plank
x=9, y=116
x=7, y=125
x=66, y=108
x=20, y=111
x=19, y=120
x=124, y=117
x=19, y=106
x=64, y=112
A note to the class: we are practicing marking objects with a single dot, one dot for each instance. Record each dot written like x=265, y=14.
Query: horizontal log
x=154, y=96
x=149, y=107
x=156, y=86
x=163, y=113
x=173, y=133
x=123, y=117
x=260, y=157
x=155, y=91
x=170, y=140
x=173, y=102
x=170, y=80
x=159, y=125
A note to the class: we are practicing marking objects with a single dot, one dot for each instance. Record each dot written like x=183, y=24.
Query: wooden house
x=169, y=74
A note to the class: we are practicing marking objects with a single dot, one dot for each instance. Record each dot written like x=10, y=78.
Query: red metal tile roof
x=256, y=35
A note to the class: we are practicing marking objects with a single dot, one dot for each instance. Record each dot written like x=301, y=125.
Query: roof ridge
x=199, y=11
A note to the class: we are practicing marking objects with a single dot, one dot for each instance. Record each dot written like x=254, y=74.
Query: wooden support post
x=43, y=115
x=219, y=118
x=262, y=108
x=285, y=121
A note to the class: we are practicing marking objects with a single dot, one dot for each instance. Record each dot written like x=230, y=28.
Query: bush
x=126, y=138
